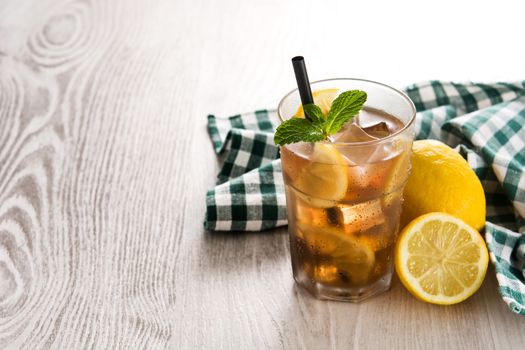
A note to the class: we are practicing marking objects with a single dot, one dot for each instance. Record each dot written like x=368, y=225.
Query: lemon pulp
x=324, y=180
x=350, y=255
x=440, y=259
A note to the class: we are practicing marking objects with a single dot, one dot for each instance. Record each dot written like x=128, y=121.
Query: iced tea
x=344, y=200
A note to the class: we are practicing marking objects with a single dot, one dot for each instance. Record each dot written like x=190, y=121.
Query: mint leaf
x=344, y=107
x=296, y=130
x=317, y=127
x=314, y=112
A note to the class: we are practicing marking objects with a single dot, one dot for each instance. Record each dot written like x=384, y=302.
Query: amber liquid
x=343, y=249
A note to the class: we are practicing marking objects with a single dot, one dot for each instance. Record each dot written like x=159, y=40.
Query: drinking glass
x=344, y=198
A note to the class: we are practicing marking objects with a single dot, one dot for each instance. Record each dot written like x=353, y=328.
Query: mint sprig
x=319, y=127
x=296, y=130
x=314, y=112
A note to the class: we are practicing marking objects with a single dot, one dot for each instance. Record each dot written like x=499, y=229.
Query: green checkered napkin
x=485, y=122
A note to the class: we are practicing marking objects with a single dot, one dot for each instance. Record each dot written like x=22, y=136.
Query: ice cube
x=399, y=171
x=382, y=152
x=360, y=217
x=352, y=132
x=358, y=177
x=378, y=237
x=355, y=154
x=302, y=149
x=306, y=213
x=326, y=273
x=367, y=180
x=378, y=130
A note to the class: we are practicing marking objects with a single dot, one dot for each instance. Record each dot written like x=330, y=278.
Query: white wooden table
x=105, y=160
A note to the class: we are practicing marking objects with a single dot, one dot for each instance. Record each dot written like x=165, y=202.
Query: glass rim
x=361, y=143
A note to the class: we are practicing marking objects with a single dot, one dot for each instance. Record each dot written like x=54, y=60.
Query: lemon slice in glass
x=440, y=259
x=324, y=180
x=352, y=257
x=323, y=99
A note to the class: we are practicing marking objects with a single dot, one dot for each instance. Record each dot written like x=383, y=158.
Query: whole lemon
x=442, y=181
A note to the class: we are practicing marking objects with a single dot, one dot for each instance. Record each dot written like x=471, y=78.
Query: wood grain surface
x=105, y=161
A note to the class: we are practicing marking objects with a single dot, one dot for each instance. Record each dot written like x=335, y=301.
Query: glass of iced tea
x=344, y=196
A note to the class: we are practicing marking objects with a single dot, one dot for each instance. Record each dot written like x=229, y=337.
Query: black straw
x=303, y=84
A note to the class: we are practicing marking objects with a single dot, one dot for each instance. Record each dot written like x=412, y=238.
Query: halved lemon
x=324, y=180
x=351, y=257
x=323, y=99
x=440, y=259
